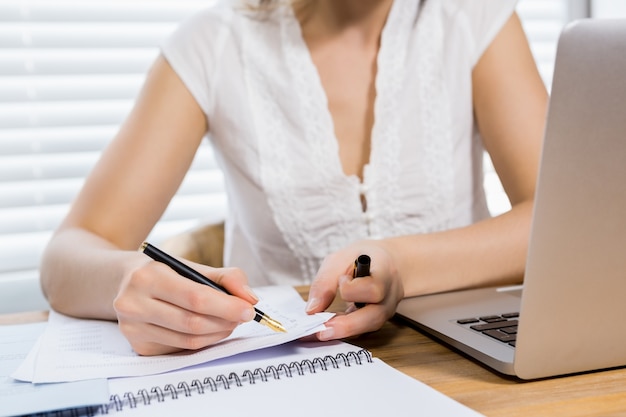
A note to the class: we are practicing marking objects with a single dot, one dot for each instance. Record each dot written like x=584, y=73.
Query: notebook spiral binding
x=145, y=397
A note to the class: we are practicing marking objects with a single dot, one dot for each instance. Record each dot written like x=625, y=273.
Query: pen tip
x=143, y=246
x=273, y=324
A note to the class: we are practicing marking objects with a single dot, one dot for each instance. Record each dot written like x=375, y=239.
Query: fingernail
x=326, y=334
x=248, y=315
x=312, y=304
x=251, y=293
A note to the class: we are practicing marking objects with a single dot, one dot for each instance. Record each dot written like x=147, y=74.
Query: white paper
x=75, y=349
x=17, y=398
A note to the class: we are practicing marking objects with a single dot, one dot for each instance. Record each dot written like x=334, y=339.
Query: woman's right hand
x=91, y=267
x=161, y=312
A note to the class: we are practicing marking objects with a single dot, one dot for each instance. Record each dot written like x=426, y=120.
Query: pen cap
x=362, y=266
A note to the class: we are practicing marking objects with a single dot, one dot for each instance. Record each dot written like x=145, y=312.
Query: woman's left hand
x=381, y=291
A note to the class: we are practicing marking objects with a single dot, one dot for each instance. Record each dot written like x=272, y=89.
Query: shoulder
x=199, y=44
x=203, y=37
x=229, y=14
x=479, y=9
x=226, y=21
x=207, y=21
x=477, y=22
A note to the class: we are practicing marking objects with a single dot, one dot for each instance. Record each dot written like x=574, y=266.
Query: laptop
x=568, y=317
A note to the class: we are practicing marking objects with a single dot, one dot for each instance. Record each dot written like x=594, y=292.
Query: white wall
x=20, y=291
x=608, y=8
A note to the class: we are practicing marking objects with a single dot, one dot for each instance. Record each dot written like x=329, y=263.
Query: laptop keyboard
x=502, y=327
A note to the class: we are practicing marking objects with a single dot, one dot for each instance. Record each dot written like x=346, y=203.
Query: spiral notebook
x=298, y=378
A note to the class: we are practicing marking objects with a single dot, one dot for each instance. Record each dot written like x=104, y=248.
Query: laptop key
x=494, y=325
x=490, y=318
x=503, y=337
x=498, y=327
x=509, y=330
x=494, y=319
x=468, y=320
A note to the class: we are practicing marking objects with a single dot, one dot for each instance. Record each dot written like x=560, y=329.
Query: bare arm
x=123, y=197
x=92, y=268
x=510, y=106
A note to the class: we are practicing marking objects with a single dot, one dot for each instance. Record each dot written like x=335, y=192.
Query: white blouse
x=290, y=203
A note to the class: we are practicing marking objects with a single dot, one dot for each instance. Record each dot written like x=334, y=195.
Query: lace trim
x=315, y=206
x=284, y=175
x=383, y=175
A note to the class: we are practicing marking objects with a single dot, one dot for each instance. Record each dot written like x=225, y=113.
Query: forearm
x=490, y=252
x=81, y=273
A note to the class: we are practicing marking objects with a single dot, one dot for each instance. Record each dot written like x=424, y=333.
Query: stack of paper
x=90, y=351
x=73, y=349
x=254, y=371
x=18, y=398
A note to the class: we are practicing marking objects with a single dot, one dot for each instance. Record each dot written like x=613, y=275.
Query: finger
x=309, y=338
x=233, y=279
x=149, y=339
x=187, y=322
x=200, y=299
x=363, y=289
x=158, y=282
x=366, y=319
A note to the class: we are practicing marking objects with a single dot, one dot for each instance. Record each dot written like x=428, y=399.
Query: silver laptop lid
x=575, y=284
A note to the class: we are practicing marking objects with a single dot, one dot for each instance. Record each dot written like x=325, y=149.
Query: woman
x=343, y=127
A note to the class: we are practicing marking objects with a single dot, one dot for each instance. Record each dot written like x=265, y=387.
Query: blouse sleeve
x=193, y=51
x=484, y=19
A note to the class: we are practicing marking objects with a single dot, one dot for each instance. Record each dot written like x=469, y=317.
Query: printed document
x=75, y=349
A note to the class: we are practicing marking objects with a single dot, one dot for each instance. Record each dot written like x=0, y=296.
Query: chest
x=308, y=110
x=347, y=74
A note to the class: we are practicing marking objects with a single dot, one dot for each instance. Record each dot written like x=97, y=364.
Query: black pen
x=190, y=273
x=361, y=269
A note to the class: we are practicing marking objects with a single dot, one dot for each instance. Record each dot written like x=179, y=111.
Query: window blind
x=69, y=71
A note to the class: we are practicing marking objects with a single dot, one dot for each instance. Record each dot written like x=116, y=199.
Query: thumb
x=322, y=292
x=324, y=288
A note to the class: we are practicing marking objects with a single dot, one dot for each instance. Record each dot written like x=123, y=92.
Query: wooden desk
x=593, y=394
